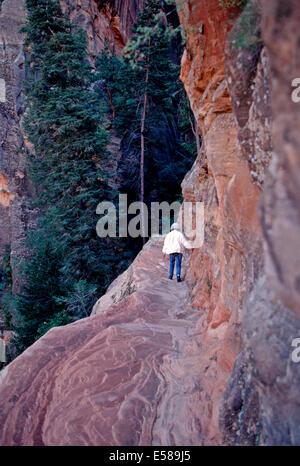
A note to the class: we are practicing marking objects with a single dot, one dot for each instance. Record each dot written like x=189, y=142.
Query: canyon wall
x=272, y=310
x=245, y=276
x=222, y=273
x=104, y=20
x=15, y=215
x=208, y=363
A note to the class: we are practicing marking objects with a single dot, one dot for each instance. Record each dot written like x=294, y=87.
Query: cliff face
x=245, y=266
x=272, y=310
x=207, y=361
x=102, y=20
x=223, y=271
x=14, y=215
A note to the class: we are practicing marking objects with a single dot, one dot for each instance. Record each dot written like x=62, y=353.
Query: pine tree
x=146, y=103
x=148, y=53
x=70, y=264
x=36, y=304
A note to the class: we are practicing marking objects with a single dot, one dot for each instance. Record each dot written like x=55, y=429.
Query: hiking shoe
x=170, y=278
x=179, y=279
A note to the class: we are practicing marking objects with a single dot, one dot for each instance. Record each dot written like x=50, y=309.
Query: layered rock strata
x=128, y=375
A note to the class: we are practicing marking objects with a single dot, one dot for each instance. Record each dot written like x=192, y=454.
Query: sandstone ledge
x=125, y=376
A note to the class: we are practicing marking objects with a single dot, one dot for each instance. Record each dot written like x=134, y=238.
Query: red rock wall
x=234, y=95
x=15, y=213
x=222, y=272
x=104, y=20
x=271, y=320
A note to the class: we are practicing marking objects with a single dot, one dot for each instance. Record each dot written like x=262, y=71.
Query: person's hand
x=164, y=255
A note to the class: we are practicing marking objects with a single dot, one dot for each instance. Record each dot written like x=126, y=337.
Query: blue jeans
x=178, y=257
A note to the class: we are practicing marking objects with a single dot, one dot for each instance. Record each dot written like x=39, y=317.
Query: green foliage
x=69, y=110
x=60, y=318
x=7, y=305
x=185, y=122
x=70, y=265
x=37, y=302
x=208, y=285
x=5, y=270
x=151, y=36
x=124, y=85
x=233, y=3
x=246, y=32
x=79, y=299
x=5, y=286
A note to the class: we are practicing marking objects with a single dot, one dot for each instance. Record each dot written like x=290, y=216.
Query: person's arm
x=186, y=243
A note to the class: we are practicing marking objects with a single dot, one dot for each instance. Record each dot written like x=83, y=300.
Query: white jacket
x=175, y=241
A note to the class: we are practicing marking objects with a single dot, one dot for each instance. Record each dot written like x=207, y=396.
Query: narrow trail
x=127, y=375
x=176, y=421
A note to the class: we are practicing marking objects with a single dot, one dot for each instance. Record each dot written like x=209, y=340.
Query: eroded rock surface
x=104, y=20
x=223, y=271
x=241, y=99
x=129, y=375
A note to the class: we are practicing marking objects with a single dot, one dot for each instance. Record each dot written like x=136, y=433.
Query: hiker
x=174, y=245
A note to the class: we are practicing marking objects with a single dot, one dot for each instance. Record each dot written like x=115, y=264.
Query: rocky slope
x=207, y=361
x=129, y=375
